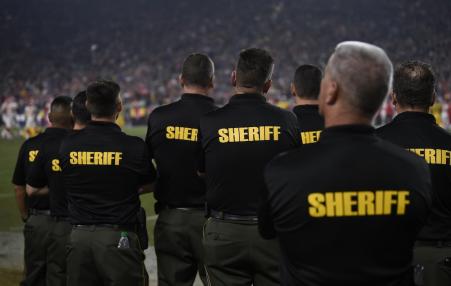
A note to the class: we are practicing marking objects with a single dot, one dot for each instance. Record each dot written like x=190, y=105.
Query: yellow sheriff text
x=358, y=203
x=56, y=165
x=433, y=156
x=32, y=155
x=95, y=158
x=310, y=137
x=249, y=134
x=181, y=133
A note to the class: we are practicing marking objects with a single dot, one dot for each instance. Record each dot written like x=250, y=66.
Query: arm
x=20, y=199
x=148, y=188
x=33, y=191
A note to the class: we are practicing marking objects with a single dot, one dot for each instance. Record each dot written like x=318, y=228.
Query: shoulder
x=386, y=129
x=162, y=109
x=294, y=160
x=280, y=112
x=401, y=157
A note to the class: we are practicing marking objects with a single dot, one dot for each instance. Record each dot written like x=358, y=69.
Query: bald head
x=363, y=74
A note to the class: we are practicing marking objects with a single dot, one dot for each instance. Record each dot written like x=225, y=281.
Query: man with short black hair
x=45, y=173
x=305, y=89
x=104, y=171
x=39, y=224
x=346, y=210
x=416, y=130
x=237, y=141
x=172, y=137
x=79, y=111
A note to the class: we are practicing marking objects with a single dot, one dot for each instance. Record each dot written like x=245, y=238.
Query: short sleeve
x=36, y=175
x=200, y=152
x=147, y=171
x=19, y=176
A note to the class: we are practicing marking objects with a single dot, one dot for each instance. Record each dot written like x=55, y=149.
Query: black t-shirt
x=103, y=169
x=172, y=137
x=310, y=122
x=347, y=209
x=46, y=171
x=26, y=158
x=418, y=132
x=238, y=140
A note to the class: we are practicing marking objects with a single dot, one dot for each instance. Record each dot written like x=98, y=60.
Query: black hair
x=102, y=97
x=60, y=110
x=198, y=70
x=414, y=84
x=307, y=81
x=254, y=68
x=61, y=104
x=79, y=110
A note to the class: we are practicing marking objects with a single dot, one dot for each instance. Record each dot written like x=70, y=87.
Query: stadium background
x=55, y=47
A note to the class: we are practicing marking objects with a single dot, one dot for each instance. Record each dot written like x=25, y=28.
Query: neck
x=345, y=117
x=195, y=90
x=305, y=101
x=61, y=126
x=104, y=119
x=79, y=126
x=242, y=90
x=401, y=109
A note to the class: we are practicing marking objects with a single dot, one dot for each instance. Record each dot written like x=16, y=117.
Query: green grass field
x=9, y=215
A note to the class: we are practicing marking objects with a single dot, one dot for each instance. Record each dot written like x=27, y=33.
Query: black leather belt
x=181, y=208
x=38, y=212
x=232, y=217
x=60, y=218
x=434, y=243
x=92, y=227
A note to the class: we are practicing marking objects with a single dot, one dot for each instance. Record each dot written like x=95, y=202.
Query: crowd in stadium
x=143, y=46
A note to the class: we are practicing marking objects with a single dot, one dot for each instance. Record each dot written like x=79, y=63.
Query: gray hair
x=364, y=73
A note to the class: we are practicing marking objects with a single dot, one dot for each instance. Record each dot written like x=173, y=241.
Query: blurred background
x=56, y=47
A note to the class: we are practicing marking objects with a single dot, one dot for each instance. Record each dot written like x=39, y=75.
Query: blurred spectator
x=56, y=47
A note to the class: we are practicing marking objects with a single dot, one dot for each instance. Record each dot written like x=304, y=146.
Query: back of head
x=59, y=114
x=254, y=68
x=414, y=85
x=363, y=73
x=79, y=111
x=198, y=70
x=307, y=81
x=102, y=98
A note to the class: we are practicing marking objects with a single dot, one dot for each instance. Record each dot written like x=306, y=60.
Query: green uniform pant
x=178, y=246
x=236, y=255
x=36, y=234
x=435, y=263
x=93, y=259
x=56, y=253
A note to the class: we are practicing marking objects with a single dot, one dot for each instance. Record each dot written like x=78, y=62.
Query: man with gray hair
x=346, y=211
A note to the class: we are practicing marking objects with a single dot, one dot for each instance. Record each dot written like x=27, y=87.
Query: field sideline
x=9, y=215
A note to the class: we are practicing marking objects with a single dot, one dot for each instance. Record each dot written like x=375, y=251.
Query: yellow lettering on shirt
x=56, y=165
x=358, y=203
x=181, y=133
x=433, y=156
x=95, y=158
x=310, y=137
x=32, y=155
x=249, y=134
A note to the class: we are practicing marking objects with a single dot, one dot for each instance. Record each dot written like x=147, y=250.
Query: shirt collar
x=103, y=124
x=414, y=115
x=195, y=96
x=247, y=97
x=347, y=130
